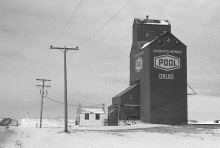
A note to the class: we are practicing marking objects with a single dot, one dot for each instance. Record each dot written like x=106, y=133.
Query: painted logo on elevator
x=138, y=64
x=166, y=62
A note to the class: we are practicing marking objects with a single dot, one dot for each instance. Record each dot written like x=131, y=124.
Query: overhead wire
x=67, y=22
x=102, y=26
x=46, y=59
x=83, y=41
x=105, y=23
x=61, y=32
x=60, y=102
x=71, y=104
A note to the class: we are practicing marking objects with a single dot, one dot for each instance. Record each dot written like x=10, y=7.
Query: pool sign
x=166, y=62
x=138, y=64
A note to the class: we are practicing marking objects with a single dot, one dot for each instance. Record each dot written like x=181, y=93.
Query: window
x=97, y=116
x=86, y=116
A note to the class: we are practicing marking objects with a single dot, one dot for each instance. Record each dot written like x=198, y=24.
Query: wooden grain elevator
x=157, y=91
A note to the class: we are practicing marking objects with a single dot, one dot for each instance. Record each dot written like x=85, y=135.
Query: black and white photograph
x=109, y=74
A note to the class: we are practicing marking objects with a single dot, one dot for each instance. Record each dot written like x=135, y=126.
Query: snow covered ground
x=141, y=135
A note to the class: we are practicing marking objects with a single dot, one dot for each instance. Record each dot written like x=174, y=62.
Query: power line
x=59, y=102
x=46, y=59
x=105, y=23
x=70, y=104
x=67, y=22
x=61, y=32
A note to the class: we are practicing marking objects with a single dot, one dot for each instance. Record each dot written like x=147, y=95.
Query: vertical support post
x=118, y=113
x=65, y=84
x=65, y=92
x=42, y=98
x=103, y=107
x=41, y=109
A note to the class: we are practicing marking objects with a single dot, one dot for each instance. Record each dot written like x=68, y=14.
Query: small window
x=86, y=116
x=97, y=116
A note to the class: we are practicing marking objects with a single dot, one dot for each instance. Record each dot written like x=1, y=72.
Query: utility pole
x=64, y=50
x=42, y=97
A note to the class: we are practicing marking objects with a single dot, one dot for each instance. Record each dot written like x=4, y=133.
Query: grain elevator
x=157, y=92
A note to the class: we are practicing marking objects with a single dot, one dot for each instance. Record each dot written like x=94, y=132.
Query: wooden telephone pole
x=42, y=97
x=64, y=50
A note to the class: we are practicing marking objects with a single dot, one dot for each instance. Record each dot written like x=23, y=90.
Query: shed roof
x=91, y=110
x=126, y=90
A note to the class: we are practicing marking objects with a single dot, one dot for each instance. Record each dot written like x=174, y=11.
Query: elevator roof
x=151, y=21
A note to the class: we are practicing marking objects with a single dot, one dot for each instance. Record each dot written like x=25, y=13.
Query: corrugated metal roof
x=92, y=110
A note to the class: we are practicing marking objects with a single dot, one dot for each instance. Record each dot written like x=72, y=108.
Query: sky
x=100, y=68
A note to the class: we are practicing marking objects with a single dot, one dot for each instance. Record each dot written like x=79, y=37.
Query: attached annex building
x=157, y=92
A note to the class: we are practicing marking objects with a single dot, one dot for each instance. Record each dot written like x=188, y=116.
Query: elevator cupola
x=149, y=29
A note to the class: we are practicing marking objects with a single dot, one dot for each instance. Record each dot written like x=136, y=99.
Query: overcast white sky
x=100, y=69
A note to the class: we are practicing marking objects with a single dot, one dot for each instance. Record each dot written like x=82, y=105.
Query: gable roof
x=166, y=33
